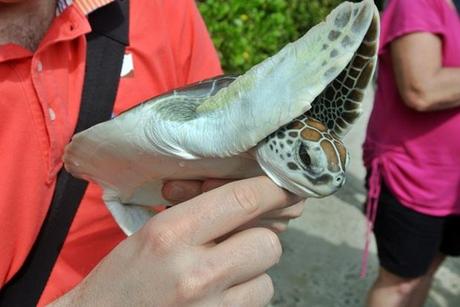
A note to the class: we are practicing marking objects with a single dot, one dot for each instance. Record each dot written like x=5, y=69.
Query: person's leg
x=407, y=244
x=450, y=246
x=392, y=290
x=420, y=293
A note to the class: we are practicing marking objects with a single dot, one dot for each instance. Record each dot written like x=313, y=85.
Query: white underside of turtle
x=285, y=118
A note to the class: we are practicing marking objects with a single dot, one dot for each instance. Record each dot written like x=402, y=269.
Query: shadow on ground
x=329, y=279
x=316, y=272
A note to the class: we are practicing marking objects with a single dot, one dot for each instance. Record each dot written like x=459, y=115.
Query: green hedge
x=247, y=31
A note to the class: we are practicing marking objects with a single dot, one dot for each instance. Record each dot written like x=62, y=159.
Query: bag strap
x=105, y=50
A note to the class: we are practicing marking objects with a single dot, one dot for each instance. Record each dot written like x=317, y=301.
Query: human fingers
x=253, y=293
x=276, y=220
x=243, y=256
x=218, y=212
x=211, y=184
x=177, y=191
x=287, y=213
x=275, y=225
x=181, y=190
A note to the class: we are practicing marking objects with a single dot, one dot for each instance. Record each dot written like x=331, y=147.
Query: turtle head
x=307, y=156
x=304, y=157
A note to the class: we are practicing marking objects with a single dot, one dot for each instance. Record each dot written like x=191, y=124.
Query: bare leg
x=420, y=293
x=390, y=290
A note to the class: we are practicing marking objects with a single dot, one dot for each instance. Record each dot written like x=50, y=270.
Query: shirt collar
x=86, y=6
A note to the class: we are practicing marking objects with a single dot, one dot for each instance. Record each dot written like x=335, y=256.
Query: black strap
x=105, y=50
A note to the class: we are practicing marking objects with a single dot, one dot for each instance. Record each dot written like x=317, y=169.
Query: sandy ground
x=322, y=249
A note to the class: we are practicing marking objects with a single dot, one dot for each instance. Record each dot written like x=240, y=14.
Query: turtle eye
x=304, y=156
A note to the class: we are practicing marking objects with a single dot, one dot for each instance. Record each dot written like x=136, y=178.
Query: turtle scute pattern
x=308, y=129
x=339, y=105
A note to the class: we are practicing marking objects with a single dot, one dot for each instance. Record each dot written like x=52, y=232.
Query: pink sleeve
x=407, y=16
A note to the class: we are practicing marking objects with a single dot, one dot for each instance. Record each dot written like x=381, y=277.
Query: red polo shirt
x=39, y=102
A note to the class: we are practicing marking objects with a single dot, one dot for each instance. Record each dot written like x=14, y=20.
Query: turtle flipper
x=269, y=95
x=339, y=105
x=131, y=170
x=130, y=218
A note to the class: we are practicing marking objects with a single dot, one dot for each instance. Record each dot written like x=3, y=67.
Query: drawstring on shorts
x=371, y=211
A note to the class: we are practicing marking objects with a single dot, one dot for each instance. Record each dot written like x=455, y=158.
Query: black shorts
x=408, y=241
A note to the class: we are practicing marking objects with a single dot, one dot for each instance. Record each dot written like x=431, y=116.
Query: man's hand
x=174, y=260
x=276, y=220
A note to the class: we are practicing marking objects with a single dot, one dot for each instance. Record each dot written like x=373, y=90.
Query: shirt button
x=51, y=114
x=39, y=66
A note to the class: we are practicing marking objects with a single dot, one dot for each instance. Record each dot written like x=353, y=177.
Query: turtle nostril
x=340, y=180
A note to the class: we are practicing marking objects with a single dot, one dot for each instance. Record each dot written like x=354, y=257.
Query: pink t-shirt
x=417, y=154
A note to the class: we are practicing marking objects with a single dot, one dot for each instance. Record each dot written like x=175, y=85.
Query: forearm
x=65, y=300
x=423, y=83
x=438, y=91
x=75, y=297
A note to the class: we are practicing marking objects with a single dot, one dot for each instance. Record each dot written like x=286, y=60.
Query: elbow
x=416, y=98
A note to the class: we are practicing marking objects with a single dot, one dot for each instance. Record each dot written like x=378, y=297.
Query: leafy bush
x=247, y=31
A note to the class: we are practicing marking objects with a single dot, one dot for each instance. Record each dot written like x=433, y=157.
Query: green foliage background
x=246, y=32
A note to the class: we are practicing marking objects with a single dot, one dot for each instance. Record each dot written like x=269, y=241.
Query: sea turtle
x=285, y=117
